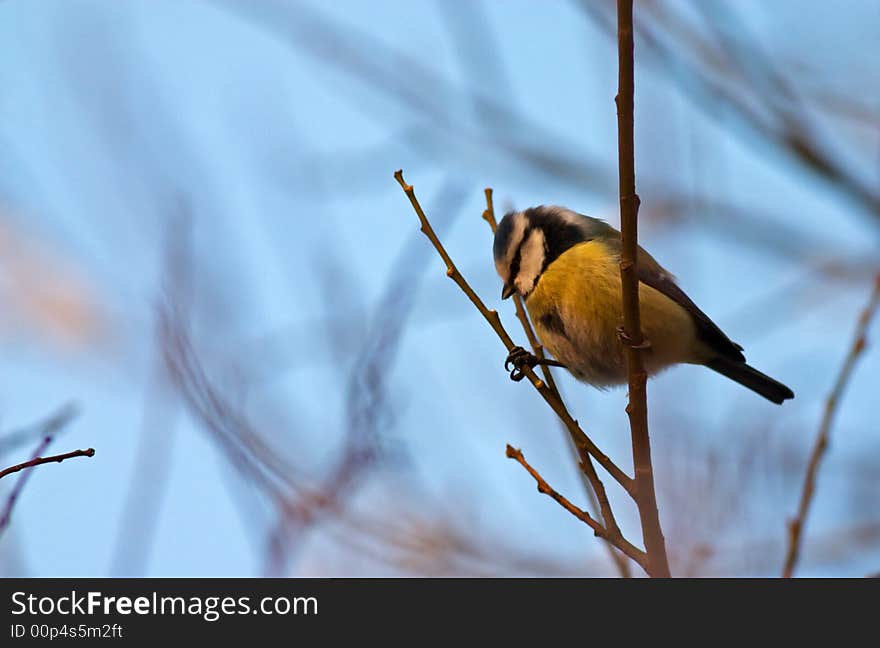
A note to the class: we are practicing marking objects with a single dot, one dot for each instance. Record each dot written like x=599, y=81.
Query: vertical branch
x=796, y=525
x=631, y=335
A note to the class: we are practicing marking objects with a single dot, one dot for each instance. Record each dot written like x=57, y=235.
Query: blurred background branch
x=796, y=524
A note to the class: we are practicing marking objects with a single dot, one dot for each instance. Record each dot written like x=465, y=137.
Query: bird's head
x=526, y=242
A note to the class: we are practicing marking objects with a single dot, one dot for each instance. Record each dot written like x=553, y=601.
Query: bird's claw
x=518, y=358
x=627, y=340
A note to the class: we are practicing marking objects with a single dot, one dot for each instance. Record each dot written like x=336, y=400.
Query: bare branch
x=37, y=461
x=611, y=535
x=631, y=334
x=857, y=348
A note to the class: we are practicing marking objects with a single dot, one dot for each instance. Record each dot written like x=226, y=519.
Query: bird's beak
x=507, y=291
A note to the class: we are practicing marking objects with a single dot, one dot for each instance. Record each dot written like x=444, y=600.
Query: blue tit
x=565, y=266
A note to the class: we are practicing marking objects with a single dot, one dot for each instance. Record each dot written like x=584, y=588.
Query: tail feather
x=752, y=378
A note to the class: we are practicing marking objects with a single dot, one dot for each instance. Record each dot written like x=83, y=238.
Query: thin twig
x=637, y=409
x=583, y=442
x=37, y=461
x=796, y=525
x=614, y=538
x=593, y=485
x=6, y=516
x=620, y=561
x=521, y=314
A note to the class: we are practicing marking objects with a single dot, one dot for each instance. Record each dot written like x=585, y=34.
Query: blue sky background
x=261, y=138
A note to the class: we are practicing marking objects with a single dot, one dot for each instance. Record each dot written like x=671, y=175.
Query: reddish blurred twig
x=611, y=536
x=796, y=525
x=631, y=335
x=416, y=540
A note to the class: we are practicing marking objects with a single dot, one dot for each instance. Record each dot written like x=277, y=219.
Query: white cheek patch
x=531, y=262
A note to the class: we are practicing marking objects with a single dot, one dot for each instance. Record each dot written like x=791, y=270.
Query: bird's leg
x=627, y=340
x=519, y=358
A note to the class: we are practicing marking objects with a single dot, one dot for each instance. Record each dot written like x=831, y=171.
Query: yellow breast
x=576, y=309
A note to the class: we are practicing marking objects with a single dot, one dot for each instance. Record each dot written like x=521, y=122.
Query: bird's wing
x=653, y=274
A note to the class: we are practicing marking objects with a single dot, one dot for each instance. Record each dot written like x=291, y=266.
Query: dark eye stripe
x=514, y=265
x=517, y=258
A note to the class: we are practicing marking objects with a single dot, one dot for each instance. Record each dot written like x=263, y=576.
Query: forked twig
x=594, y=486
x=614, y=538
x=582, y=441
